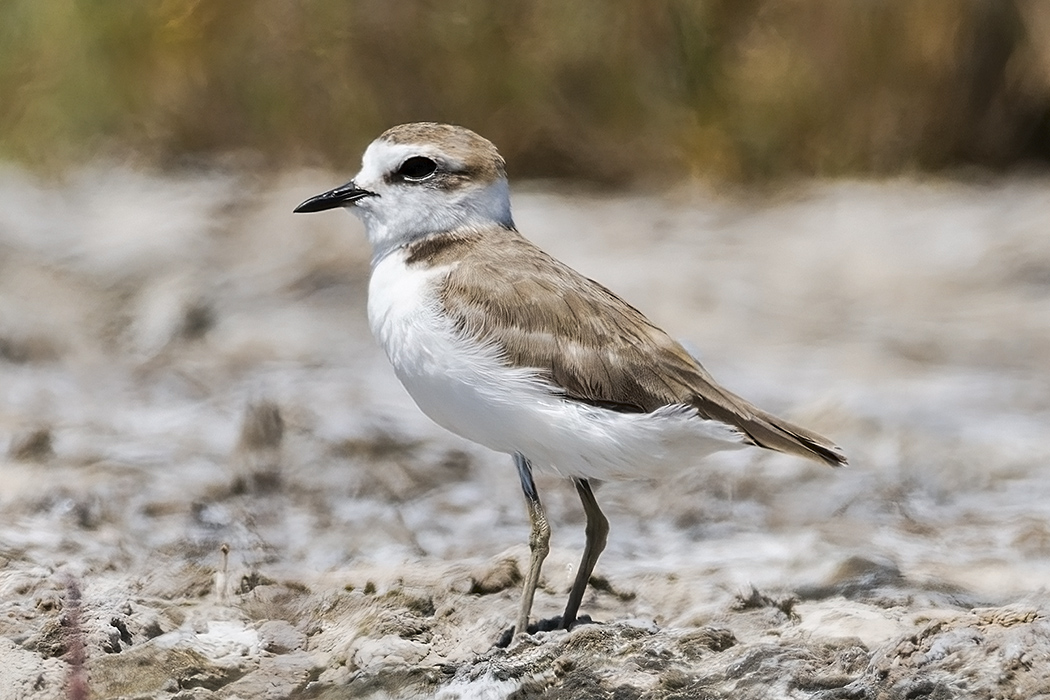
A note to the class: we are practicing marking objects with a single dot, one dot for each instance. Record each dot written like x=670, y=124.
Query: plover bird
x=506, y=346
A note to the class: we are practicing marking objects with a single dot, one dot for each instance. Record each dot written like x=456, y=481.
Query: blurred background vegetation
x=739, y=90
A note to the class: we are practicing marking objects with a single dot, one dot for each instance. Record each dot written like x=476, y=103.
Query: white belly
x=465, y=387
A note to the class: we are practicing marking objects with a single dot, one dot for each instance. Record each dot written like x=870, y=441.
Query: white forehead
x=460, y=152
x=382, y=157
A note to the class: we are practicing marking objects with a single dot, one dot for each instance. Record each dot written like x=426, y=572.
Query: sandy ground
x=211, y=484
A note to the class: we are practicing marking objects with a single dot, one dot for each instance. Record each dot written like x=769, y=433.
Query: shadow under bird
x=506, y=346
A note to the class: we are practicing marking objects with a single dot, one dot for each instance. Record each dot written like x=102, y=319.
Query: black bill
x=341, y=196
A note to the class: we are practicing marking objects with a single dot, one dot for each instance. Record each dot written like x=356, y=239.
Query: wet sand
x=212, y=485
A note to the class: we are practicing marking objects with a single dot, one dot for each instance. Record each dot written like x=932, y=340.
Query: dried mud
x=212, y=486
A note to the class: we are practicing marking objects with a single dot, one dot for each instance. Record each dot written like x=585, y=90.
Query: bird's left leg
x=539, y=540
x=597, y=534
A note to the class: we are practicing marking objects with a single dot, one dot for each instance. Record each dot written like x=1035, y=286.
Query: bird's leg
x=597, y=534
x=539, y=540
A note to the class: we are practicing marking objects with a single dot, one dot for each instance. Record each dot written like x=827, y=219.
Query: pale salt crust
x=907, y=319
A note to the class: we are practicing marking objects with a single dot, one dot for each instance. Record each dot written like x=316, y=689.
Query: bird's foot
x=548, y=625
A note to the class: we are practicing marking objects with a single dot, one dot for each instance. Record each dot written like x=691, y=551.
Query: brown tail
x=761, y=428
x=766, y=430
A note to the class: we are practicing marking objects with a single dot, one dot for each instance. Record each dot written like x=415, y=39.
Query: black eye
x=417, y=168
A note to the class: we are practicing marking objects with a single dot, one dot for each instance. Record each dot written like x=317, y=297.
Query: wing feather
x=589, y=343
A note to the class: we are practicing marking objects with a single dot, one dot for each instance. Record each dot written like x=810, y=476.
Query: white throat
x=396, y=218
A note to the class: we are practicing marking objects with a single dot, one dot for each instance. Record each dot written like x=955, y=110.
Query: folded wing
x=588, y=342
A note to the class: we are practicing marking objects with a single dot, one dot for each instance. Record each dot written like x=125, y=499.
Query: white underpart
x=465, y=387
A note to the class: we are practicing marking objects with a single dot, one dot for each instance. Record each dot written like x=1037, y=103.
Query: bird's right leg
x=597, y=534
x=539, y=540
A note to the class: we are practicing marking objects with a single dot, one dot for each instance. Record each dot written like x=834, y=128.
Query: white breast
x=459, y=384
x=465, y=387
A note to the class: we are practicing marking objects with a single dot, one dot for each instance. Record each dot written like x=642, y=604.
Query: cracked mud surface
x=212, y=485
